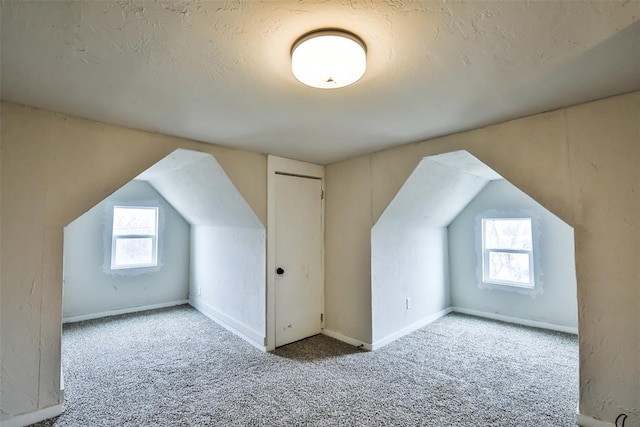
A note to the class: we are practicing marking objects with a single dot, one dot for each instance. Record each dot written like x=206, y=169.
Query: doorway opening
x=428, y=257
x=210, y=249
x=179, y=233
x=458, y=237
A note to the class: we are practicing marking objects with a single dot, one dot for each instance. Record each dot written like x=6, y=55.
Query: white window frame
x=487, y=251
x=154, y=237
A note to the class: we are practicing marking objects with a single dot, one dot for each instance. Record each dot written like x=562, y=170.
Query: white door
x=298, y=258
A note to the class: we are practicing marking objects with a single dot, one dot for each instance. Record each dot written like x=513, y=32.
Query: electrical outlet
x=408, y=303
x=199, y=290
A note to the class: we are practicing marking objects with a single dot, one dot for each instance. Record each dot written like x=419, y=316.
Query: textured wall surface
x=581, y=163
x=557, y=304
x=55, y=168
x=347, y=289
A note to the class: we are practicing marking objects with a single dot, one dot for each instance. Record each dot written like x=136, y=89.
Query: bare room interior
x=208, y=249
x=428, y=253
x=430, y=219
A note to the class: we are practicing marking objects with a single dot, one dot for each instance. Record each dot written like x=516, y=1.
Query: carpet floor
x=175, y=367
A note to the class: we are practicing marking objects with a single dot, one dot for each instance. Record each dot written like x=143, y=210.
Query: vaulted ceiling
x=219, y=72
x=197, y=187
x=437, y=191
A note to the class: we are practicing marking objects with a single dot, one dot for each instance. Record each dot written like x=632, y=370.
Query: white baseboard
x=586, y=421
x=61, y=384
x=435, y=316
x=509, y=319
x=352, y=341
x=378, y=344
x=249, y=335
x=412, y=327
x=33, y=417
x=90, y=316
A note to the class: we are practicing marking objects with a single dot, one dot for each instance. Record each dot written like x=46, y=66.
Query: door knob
x=280, y=271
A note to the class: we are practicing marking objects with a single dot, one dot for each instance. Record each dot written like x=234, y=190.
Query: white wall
x=89, y=289
x=407, y=262
x=228, y=277
x=199, y=188
x=557, y=304
x=409, y=247
x=228, y=241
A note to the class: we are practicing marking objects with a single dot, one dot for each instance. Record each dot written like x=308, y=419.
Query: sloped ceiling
x=197, y=187
x=437, y=191
x=219, y=72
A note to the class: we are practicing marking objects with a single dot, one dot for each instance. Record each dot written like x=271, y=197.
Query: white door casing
x=282, y=175
x=298, y=282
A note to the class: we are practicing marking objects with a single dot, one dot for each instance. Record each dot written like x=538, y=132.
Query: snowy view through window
x=508, y=251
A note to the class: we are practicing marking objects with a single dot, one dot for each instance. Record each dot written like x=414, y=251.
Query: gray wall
x=557, y=304
x=90, y=289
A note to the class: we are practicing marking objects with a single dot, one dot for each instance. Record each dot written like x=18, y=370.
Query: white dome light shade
x=328, y=59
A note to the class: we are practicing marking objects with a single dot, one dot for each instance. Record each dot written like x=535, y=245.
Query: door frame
x=292, y=167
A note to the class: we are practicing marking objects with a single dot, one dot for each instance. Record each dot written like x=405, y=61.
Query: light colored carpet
x=175, y=367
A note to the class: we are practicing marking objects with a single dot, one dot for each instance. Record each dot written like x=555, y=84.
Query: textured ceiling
x=219, y=72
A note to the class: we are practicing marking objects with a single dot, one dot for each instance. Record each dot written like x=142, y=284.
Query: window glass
x=508, y=233
x=509, y=266
x=134, y=240
x=507, y=251
x=134, y=221
x=136, y=251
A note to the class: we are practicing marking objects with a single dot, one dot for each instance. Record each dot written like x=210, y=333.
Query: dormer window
x=134, y=237
x=507, y=252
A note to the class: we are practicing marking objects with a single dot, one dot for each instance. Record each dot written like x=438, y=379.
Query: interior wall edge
x=348, y=284
x=254, y=338
x=587, y=421
x=409, y=329
x=516, y=320
x=33, y=417
x=347, y=339
x=110, y=313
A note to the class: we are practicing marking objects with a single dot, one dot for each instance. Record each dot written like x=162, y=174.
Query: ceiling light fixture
x=328, y=59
